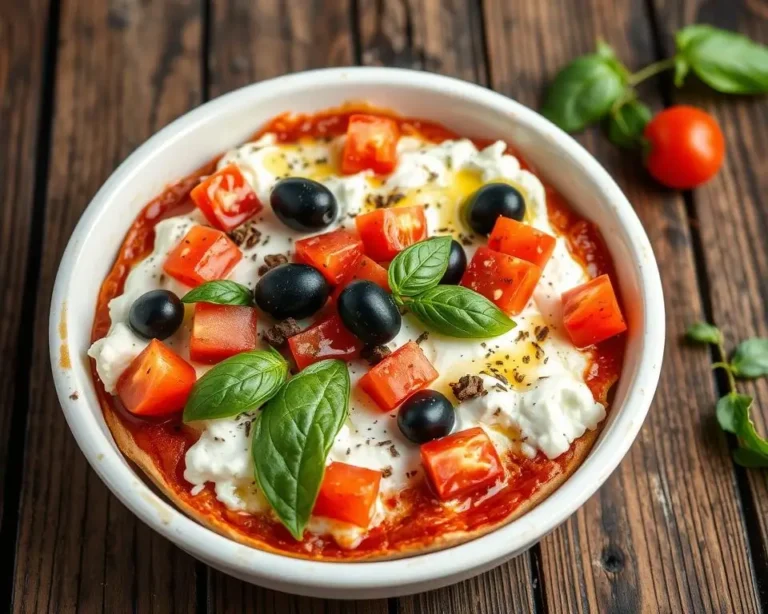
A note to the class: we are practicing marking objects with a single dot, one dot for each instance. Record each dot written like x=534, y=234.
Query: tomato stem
x=725, y=365
x=651, y=70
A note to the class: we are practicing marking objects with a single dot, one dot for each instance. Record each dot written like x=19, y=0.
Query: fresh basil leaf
x=626, y=125
x=733, y=416
x=237, y=384
x=457, y=311
x=220, y=292
x=704, y=333
x=420, y=266
x=750, y=358
x=584, y=90
x=750, y=458
x=726, y=61
x=293, y=436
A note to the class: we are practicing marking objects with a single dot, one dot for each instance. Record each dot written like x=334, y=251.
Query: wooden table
x=678, y=527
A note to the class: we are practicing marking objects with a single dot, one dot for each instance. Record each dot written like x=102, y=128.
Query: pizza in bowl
x=358, y=336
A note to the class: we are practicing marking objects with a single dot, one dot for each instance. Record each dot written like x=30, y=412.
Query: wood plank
x=665, y=532
x=731, y=212
x=22, y=60
x=251, y=41
x=444, y=37
x=124, y=70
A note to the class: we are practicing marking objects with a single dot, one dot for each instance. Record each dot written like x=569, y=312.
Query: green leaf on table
x=240, y=383
x=420, y=266
x=704, y=333
x=293, y=436
x=750, y=459
x=750, y=358
x=457, y=311
x=584, y=91
x=220, y=292
x=733, y=415
x=627, y=123
x=726, y=61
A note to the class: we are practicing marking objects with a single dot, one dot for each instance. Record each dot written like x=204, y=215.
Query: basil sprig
x=459, y=312
x=240, y=383
x=414, y=277
x=419, y=267
x=749, y=360
x=726, y=61
x=598, y=86
x=220, y=292
x=293, y=436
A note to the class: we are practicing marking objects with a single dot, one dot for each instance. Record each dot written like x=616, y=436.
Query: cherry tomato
x=686, y=147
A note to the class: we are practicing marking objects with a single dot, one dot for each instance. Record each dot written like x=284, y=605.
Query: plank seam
x=12, y=489
x=757, y=549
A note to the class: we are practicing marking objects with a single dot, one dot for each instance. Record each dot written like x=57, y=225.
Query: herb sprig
x=599, y=86
x=749, y=361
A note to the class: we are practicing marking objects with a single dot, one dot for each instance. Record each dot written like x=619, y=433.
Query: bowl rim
x=478, y=554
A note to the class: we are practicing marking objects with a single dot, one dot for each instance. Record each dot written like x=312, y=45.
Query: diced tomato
x=348, y=493
x=521, y=241
x=204, y=254
x=157, y=382
x=398, y=376
x=591, y=312
x=366, y=269
x=387, y=232
x=462, y=463
x=507, y=281
x=335, y=254
x=327, y=339
x=221, y=331
x=371, y=144
x=226, y=199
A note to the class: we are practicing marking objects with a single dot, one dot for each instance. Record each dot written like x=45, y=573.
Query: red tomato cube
x=157, y=382
x=387, y=232
x=204, y=254
x=326, y=339
x=221, y=331
x=335, y=254
x=226, y=199
x=348, y=493
x=461, y=463
x=398, y=376
x=591, y=312
x=507, y=281
x=521, y=241
x=371, y=144
x=366, y=269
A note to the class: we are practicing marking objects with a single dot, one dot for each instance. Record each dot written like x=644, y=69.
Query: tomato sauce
x=166, y=442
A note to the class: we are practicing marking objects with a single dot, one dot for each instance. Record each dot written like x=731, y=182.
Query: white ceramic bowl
x=218, y=125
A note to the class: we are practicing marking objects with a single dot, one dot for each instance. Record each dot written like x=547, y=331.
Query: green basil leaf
x=240, y=383
x=293, y=436
x=733, y=416
x=420, y=266
x=584, y=90
x=751, y=358
x=220, y=292
x=704, y=333
x=626, y=125
x=457, y=311
x=750, y=458
x=726, y=61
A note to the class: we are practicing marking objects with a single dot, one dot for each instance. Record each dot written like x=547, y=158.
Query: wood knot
x=612, y=559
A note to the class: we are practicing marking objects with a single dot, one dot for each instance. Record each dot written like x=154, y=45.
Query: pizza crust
x=128, y=446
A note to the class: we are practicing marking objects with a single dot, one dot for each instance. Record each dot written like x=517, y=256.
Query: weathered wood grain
x=251, y=41
x=123, y=71
x=665, y=533
x=22, y=70
x=444, y=37
x=732, y=218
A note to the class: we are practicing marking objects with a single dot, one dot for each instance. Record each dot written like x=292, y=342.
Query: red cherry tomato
x=686, y=147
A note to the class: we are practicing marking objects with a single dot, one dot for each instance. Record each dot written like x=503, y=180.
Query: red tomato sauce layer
x=166, y=442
